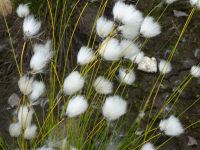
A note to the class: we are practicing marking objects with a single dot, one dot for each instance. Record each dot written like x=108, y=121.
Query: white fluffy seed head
x=73, y=83
x=149, y=27
x=148, y=146
x=23, y=82
x=44, y=48
x=128, y=32
x=30, y=27
x=119, y=10
x=25, y=116
x=22, y=10
x=104, y=27
x=39, y=61
x=194, y=2
x=195, y=71
x=110, y=49
x=128, y=78
x=76, y=106
x=30, y=132
x=163, y=66
x=171, y=126
x=45, y=148
x=129, y=49
x=170, y=1
x=114, y=107
x=103, y=86
x=15, y=129
x=137, y=58
x=85, y=55
x=38, y=89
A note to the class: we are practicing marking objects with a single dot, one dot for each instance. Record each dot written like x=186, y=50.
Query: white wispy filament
x=25, y=85
x=148, y=146
x=76, y=106
x=15, y=129
x=25, y=116
x=44, y=48
x=114, y=107
x=73, y=83
x=195, y=71
x=194, y=2
x=110, y=49
x=104, y=27
x=38, y=89
x=30, y=27
x=163, y=66
x=171, y=126
x=103, y=86
x=129, y=49
x=138, y=58
x=149, y=27
x=22, y=10
x=85, y=55
x=30, y=132
x=128, y=78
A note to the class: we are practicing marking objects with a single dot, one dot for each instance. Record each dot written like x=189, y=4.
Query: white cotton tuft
x=85, y=55
x=30, y=27
x=39, y=61
x=110, y=50
x=171, y=126
x=170, y=1
x=128, y=78
x=30, y=132
x=128, y=32
x=76, y=106
x=44, y=48
x=119, y=10
x=103, y=86
x=38, y=89
x=195, y=71
x=15, y=129
x=104, y=27
x=22, y=10
x=149, y=27
x=23, y=82
x=129, y=49
x=24, y=116
x=194, y=2
x=73, y=83
x=148, y=146
x=138, y=58
x=114, y=107
x=163, y=66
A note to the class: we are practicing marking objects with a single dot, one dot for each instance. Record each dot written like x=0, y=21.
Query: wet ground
x=186, y=55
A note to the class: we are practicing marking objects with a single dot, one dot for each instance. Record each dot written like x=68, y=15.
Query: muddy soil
x=158, y=47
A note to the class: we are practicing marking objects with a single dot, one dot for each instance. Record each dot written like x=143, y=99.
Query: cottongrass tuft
x=119, y=10
x=76, y=106
x=44, y=48
x=114, y=107
x=85, y=55
x=128, y=32
x=170, y=1
x=195, y=71
x=104, y=27
x=25, y=116
x=194, y=2
x=171, y=126
x=30, y=27
x=22, y=10
x=73, y=83
x=30, y=132
x=148, y=146
x=138, y=58
x=128, y=78
x=15, y=129
x=38, y=89
x=110, y=50
x=163, y=66
x=129, y=49
x=149, y=27
x=103, y=85
x=23, y=82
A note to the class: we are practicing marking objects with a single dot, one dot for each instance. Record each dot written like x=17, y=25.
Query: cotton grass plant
x=90, y=115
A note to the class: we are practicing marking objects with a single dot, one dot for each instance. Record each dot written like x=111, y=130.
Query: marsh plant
x=86, y=110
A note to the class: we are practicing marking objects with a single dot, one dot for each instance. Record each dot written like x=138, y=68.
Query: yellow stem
x=22, y=58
